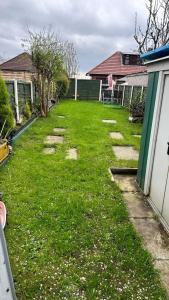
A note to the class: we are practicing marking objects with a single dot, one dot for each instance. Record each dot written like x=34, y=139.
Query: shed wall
x=147, y=125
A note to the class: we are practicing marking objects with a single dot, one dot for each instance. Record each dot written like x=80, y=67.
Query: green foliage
x=5, y=109
x=62, y=84
x=27, y=111
x=136, y=108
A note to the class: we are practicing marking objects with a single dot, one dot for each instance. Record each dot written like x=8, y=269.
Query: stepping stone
x=137, y=205
x=49, y=150
x=72, y=154
x=109, y=121
x=127, y=183
x=137, y=135
x=54, y=139
x=125, y=152
x=59, y=129
x=61, y=117
x=116, y=135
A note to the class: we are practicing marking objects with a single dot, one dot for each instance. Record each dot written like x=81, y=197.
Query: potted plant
x=6, y=120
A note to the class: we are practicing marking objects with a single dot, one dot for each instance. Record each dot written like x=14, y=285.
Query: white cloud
x=97, y=27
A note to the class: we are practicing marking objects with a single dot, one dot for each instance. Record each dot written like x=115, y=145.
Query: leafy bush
x=136, y=108
x=27, y=111
x=62, y=85
x=6, y=114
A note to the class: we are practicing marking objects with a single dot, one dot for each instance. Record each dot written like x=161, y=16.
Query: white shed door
x=159, y=191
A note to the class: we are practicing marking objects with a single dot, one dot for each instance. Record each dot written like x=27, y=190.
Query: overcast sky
x=97, y=27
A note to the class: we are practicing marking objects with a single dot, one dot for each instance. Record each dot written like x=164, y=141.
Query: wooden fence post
x=75, y=88
x=100, y=91
x=122, y=103
x=16, y=100
x=32, y=91
x=142, y=89
x=131, y=94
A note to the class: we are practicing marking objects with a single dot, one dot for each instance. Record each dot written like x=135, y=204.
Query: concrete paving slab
x=125, y=152
x=154, y=237
x=109, y=121
x=54, y=139
x=116, y=135
x=127, y=183
x=49, y=150
x=72, y=154
x=59, y=130
x=137, y=135
x=61, y=117
x=137, y=206
x=163, y=266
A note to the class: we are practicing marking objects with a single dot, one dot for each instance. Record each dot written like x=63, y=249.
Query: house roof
x=21, y=62
x=113, y=65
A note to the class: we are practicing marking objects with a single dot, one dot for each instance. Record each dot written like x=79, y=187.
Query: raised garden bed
x=4, y=150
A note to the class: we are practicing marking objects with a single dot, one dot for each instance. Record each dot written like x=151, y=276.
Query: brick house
x=118, y=65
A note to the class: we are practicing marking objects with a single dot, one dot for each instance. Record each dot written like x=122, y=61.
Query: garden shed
x=153, y=169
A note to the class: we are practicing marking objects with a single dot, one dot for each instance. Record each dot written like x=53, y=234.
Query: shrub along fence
x=84, y=89
x=20, y=93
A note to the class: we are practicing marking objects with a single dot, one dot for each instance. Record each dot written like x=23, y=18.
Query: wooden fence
x=123, y=94
x=19, y=94
x=84, y=89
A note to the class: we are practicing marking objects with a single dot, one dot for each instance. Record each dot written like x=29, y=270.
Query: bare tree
x=156, y=32
x=70, y=59
x=47, y=52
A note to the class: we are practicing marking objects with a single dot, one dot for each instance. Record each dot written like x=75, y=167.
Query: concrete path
x=137, y=135
x=61, y=117
x=58, y=129
x=50, y=150
x=125, y=152
x=53, y=139
x=116, y=135
x=109, y=121
x=72, y=154
x=155, y=239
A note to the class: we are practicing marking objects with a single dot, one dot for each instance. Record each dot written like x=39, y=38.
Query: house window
x=130, y=59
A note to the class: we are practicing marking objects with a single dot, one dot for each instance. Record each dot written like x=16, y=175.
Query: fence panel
x=10, y=88
x=86, y=89
x=127, y=96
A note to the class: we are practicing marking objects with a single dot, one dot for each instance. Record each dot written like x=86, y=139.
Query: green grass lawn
x=68, y=232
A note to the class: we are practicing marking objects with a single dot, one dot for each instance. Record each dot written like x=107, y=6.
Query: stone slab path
x=155, y=239
x=137, y=135
x=61, y=117
x=116, y=135
x=58, y=130
x=49, y=150
x=109, y=121
x=125, y=152
x=54, y=139
x=72, y=154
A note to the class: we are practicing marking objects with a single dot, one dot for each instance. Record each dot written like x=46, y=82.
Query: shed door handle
x=168, y=149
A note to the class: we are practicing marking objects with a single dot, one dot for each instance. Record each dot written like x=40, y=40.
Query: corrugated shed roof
x=22, y=62
x=113, y=65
